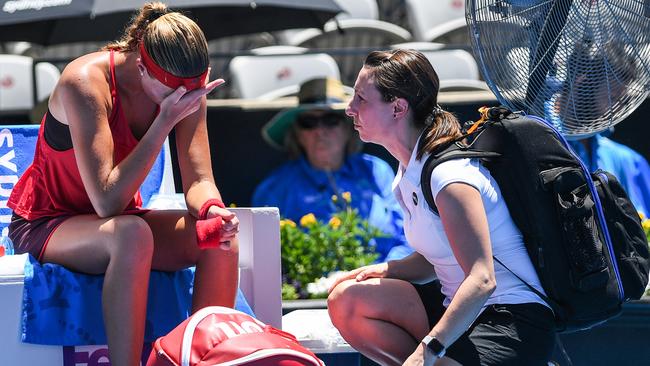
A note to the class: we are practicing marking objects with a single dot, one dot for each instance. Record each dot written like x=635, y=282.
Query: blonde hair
x=174, y=41
x=408, y=74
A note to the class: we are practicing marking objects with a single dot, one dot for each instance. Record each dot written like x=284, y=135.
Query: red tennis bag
x=222, y=336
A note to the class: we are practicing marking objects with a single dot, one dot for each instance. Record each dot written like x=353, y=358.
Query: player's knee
x=133, y=238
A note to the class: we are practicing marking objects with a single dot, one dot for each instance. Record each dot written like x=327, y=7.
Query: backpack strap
x=452, y=151
x=536, y=291
x=458, y=151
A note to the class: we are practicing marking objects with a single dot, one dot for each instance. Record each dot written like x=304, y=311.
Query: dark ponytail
x=444, y=127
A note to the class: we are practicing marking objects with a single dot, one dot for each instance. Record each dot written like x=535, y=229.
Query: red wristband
x=203, y=211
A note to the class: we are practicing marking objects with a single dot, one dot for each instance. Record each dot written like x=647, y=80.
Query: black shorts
x=504, y=334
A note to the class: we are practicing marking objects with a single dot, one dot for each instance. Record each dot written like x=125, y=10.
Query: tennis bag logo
x=230, y=329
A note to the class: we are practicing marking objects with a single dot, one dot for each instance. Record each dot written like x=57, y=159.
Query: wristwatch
x=434, y=346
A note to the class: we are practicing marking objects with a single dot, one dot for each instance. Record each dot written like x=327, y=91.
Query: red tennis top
x=52, y=186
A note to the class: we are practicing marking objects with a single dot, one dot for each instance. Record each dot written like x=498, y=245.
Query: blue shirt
x=297, y=189
x=629, y=167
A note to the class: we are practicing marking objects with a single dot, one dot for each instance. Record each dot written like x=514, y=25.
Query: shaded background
x=241, y=158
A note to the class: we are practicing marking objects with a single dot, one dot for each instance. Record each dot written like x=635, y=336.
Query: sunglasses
x=327, y=120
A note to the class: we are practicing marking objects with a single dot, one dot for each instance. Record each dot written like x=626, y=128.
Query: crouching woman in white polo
x=448, y=303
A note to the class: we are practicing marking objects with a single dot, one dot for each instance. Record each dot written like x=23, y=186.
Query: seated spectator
x=325, y=163
x=630, y=167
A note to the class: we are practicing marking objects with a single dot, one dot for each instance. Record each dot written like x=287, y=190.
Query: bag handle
x=188, y=334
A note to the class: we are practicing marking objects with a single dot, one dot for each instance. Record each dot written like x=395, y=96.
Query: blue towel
x=61, y=307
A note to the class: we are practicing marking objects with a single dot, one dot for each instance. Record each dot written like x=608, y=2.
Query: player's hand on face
x=182, y=103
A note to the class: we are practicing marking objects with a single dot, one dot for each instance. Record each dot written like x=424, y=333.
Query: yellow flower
x=646, y=225
x=335, y=222
x=308, y=219
x=287, y=222
x=335, y=198
x=641, y=215
x=347, y=196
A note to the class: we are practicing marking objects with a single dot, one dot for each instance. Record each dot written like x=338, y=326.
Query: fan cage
x=584, y=65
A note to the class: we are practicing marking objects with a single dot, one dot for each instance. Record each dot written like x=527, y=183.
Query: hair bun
x=153, y=11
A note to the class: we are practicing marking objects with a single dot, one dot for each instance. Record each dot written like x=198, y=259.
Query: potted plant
x=313, y=251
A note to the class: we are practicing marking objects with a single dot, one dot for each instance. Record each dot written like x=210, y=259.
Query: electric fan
x=584, y=65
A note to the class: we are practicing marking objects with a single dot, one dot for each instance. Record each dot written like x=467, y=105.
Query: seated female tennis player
x=78, y=204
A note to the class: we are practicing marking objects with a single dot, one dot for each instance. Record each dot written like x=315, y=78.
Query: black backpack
x=582, y=233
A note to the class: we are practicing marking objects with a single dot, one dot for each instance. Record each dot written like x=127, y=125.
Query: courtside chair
x=349, y=41
x=350, y=33
x=456, y=68
x=453, y=32
x=424, y=15
x=259, y=261
x=358, y=9
x=17, y=94
x=352, y=9
x=223, y=49
x=277, y=71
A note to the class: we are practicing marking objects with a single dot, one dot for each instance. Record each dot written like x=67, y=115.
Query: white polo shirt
x=425, y=233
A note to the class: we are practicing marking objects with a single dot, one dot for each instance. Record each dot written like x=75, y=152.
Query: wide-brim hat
x=316, y=94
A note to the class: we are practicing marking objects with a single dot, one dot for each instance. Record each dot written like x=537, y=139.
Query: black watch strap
x=434, y=345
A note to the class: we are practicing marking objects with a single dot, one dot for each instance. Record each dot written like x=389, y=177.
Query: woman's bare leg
x=121, y=247
x=382, y=318
x=126, y=248
x=216, y=277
